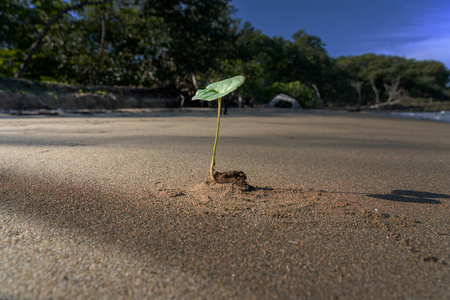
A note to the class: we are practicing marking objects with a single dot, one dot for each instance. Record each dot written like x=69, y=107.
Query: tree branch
x=37, y=43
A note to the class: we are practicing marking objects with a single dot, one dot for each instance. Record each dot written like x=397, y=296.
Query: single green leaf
x=219, y=89
x=208, y=95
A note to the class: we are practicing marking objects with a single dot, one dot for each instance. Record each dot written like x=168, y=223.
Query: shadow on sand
x=411, y=197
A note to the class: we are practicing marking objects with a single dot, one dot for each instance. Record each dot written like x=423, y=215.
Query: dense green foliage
x=381, y=78
x=191, y=43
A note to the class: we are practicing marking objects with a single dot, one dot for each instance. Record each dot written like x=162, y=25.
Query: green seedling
x=215, y=91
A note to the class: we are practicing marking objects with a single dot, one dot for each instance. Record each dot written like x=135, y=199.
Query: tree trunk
x=319, y=97
x=194, y=81
x=357, y=86
x=393, y=90
x=37, y=43
x=101, y=48
x=375, y=90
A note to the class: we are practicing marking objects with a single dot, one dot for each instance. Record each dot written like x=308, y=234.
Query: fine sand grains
x=341, y=206
x=87, y=241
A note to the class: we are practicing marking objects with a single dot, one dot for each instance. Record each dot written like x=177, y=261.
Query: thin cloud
x=427, y=39
x=434, y=48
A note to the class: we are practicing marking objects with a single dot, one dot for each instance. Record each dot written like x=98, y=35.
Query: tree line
x=190, y=43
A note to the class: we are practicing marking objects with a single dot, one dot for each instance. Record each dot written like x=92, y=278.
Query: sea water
x=442, y=116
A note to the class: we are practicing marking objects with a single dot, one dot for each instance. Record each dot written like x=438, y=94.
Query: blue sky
x=417, y=29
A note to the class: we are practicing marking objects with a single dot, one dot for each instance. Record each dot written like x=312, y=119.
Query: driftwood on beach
x=283, y=97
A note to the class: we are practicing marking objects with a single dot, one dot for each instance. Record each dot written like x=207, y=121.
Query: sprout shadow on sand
x=411, y=197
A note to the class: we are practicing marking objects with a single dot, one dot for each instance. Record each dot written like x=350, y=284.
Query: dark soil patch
x=238, y=178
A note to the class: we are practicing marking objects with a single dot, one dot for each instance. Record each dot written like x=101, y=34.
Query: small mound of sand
x=237, y=178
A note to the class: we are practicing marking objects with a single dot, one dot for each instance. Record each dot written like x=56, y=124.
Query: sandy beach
x=113, y=206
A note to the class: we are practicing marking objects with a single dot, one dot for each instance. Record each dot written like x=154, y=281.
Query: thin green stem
x=213, y=162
